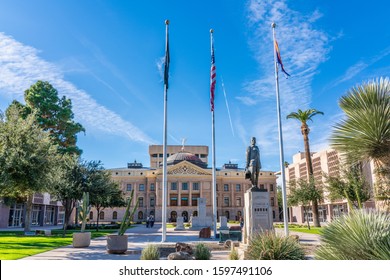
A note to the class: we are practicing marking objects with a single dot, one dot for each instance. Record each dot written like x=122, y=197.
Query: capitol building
x=189, y=178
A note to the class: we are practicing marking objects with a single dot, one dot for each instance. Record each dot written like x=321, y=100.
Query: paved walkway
x=139, y=237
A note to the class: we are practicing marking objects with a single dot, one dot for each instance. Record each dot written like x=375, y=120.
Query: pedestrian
x=151, y=221
x=147, y=221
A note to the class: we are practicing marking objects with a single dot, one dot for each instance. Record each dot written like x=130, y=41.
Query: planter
x=117, y=244
x=81, y=239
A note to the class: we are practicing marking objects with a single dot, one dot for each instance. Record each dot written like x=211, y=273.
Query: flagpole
x=164, y=198
x=214, y=187
x=282, y=168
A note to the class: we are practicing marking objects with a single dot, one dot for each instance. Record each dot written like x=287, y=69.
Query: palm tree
x=364, y=134
x=303, y=117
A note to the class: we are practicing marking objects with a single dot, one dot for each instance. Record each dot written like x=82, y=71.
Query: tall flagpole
x=282, y=168
x=212, y=91
x=164, y=198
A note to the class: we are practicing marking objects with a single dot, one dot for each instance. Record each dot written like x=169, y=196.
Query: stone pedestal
x=223, y=223
x=179, y=223
x=257, y=214
x=201, y=221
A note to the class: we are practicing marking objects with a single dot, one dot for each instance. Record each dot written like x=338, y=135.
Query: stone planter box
x=81, y=239
x=117, y=244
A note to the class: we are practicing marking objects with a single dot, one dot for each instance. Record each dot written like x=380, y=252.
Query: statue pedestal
x=258, y=213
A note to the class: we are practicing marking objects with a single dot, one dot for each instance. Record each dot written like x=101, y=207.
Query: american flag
x=212, y=78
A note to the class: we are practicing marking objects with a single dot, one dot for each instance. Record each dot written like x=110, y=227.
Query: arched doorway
x=239, y=215
x=173, y=217
x=184, y=214
x=140, y=215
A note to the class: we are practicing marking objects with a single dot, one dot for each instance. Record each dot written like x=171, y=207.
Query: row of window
x=195, y=187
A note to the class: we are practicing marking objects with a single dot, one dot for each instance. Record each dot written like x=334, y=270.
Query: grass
x=14, y=245
x=301, y=228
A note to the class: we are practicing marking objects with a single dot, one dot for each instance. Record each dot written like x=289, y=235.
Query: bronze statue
x=253, y=164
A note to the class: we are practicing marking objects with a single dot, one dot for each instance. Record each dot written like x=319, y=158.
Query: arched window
x=91, y=215
x=195, y=214
x=114, y=215
x=140, y=215
x=227, y=215
x=101, y=215
x=173, y=217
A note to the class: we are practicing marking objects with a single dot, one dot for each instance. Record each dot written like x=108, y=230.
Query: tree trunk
x=97, y=218
x=307, y=217
x=68, y=205
x=309, y=166
x=27, y=220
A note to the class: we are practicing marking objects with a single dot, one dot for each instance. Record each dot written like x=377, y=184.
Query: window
x=184, y=201
x=184, y=186
x=173, y=200
x=226, y=188
x=174, y=186
x=272, y=201
x=152, y=202
x=261, y=186
x=238, y=188
x=226, y=201
x=101, y=215
x=238, y=201
x=128, y=187
x=141, y=187
x=140, y=202
x=195, y=186
x=152, y=187
x=91, y=215
x=194, y=200
x=271, y=187
x=114, y=215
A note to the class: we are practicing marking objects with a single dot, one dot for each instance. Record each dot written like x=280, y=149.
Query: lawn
x=301, y=228
x=14, y=245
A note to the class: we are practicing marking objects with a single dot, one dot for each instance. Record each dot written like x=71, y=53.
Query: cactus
x=128, y=216
x=84, y=209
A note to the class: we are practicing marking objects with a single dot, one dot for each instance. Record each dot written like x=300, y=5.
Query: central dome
x=181, y=156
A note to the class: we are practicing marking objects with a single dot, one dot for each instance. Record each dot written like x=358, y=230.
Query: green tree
x=302, y=192
x=27, y=158
x=351, y=185
x=364, y=132
x=54, y=115
x=70, y=184
x=105, y=193
x=304, y=117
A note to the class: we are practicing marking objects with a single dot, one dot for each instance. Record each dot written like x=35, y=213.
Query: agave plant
x=360, y=235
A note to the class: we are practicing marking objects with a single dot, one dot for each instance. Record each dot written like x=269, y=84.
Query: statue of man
x=253, y=163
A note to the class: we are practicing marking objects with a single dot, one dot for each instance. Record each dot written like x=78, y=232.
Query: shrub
x=233, y=255
x=150, y=252
x=269, y=246
x=202, y=252
x=360, y=235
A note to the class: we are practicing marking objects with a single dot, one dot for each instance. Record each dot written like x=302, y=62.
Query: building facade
x=324, y=162
x=188, y=178
x=45, y=212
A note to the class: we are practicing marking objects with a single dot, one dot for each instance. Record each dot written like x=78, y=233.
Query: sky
x=107, y=57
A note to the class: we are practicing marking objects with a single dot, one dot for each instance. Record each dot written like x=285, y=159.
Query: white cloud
x=20, y=67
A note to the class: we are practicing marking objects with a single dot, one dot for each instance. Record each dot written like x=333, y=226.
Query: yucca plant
x=269, y=246
x=360, y=235
x=202, y=252
x=150, y=252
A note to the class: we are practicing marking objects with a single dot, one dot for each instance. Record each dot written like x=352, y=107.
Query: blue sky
x=107, y=55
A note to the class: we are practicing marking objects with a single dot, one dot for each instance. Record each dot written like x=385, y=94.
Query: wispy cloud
x=303, y=49
x=359, y=67
x=21, y=66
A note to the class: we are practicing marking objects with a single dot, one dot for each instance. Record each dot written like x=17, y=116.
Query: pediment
x=185, y=168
